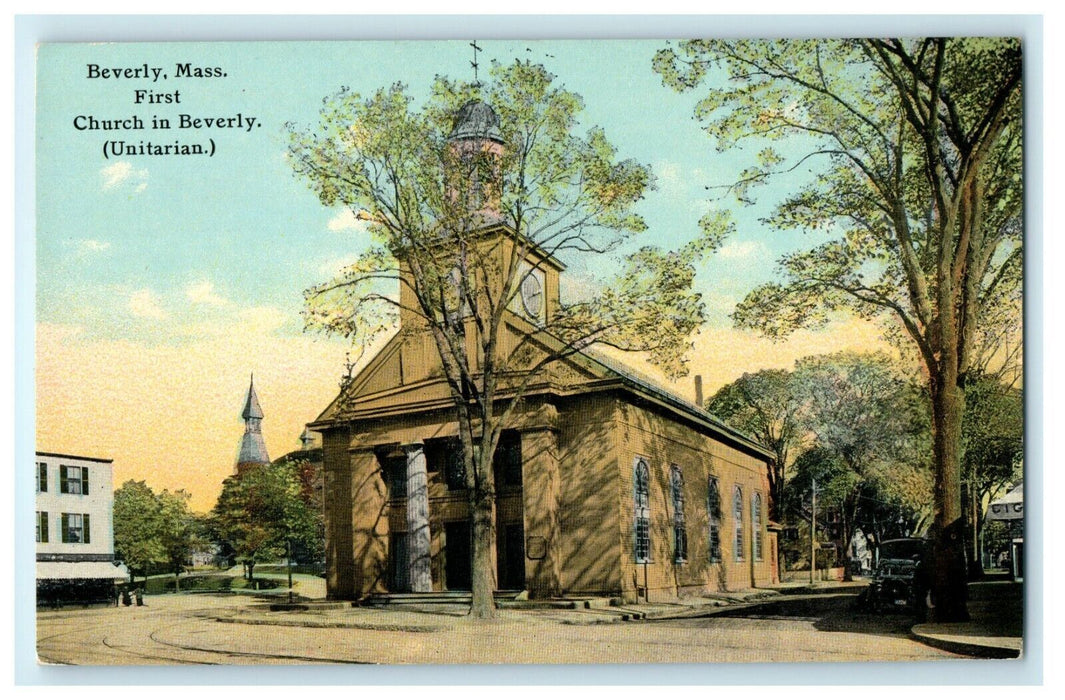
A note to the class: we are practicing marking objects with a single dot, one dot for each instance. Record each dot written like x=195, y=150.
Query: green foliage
x=153, y=529
x=176, y=532
x=993, y=434
x=765, y=405
x=916, y=150
x=918, y=171
x=857, y=405
x=561, y=193
x=262, y=512
x=137, y=526
x=869, y=448
x=997, y=537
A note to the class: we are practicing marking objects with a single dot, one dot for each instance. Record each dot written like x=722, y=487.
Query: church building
x=606, y=483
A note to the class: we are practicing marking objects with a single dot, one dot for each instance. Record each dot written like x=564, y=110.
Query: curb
x=980, y=651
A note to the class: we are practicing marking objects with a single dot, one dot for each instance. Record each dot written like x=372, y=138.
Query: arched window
x=680, y=531
x=641, y=486
x=713, y=512
x=737, y=518
x=756, y=525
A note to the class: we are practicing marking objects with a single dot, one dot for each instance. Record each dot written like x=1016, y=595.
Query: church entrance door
x=457, y=556
x=398, y=563
x=511, y=557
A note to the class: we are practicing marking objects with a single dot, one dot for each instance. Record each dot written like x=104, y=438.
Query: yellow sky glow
x=170, y=415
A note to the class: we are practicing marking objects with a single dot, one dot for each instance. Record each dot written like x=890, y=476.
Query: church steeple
x=252, y=446
x=474, y=176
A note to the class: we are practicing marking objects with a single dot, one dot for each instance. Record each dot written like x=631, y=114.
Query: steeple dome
x=476, y=120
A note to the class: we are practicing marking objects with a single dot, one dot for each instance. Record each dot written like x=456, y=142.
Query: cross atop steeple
x=476, y=50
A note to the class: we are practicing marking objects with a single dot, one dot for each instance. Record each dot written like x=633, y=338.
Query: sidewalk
x=995, y=628
x=436, y=616
x=994, y=631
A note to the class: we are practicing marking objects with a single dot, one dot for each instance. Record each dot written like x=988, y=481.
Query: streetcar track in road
x=247, y=654
x=170, y=659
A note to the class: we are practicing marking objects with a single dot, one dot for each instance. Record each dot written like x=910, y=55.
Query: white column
x=418, y=541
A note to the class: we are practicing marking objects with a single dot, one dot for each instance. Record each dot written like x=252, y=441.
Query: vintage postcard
x=525, y=352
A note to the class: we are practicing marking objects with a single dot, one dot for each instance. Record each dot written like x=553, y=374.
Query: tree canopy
x=136, y=526
x=765, y=405
x=916, y=148
x=152, y=529
x=868, y=421
x=262, y=514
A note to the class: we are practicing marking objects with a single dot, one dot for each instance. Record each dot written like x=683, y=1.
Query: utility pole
x=813, y=531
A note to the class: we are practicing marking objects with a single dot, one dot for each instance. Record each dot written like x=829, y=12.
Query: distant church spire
x=252, y=447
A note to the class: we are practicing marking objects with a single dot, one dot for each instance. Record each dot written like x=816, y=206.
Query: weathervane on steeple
x=476, y=50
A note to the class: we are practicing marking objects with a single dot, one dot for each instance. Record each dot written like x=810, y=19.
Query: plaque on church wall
x=299, y=302
x=536, y=548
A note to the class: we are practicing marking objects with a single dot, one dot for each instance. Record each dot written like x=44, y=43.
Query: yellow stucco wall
x=664, y=442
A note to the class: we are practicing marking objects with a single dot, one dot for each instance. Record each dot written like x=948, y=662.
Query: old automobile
x=894, y=584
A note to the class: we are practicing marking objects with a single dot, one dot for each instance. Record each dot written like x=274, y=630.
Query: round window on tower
x=532, y=295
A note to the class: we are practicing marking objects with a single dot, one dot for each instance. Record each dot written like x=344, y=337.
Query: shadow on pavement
x=828, y=613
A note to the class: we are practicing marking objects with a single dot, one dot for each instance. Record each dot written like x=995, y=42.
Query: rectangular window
x=454, y=467
x=42, y=477
x=42, y=526
x=75, y=528
x=74, y=480
x=507, y=460
x=396, y=468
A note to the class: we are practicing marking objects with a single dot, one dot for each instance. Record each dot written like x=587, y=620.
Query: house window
x=713, y=510
x=737, y=517
x=42, y=526
x=42, y=477
x=394, y=471
x=454, y=467
x=641, y=479
x=507, y=460
x=75, y=528
x=680, y=532
x=73, y=480
x=756, y=525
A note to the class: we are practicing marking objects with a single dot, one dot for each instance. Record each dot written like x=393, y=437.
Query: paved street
x=202, y=629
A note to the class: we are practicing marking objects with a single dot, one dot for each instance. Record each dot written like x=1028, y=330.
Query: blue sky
x=243, y=224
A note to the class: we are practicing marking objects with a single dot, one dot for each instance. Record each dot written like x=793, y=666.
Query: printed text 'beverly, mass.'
x=95, y=71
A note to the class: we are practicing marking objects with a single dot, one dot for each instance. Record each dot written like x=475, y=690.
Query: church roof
x=476, y=120
x=251, y=406
x=640, y=381
x=623, y=376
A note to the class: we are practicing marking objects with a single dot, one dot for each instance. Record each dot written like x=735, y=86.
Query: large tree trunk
x=483, y=575
x=481, y=482
x=948, y=580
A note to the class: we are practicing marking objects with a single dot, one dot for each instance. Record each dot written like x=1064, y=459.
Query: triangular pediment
x=407, y=372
